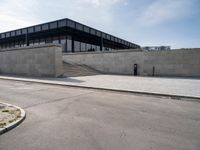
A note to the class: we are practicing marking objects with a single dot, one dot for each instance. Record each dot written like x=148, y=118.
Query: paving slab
x=183, y=87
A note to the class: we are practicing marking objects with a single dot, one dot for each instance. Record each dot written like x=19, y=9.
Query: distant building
x=156, y=48
x=73, y=36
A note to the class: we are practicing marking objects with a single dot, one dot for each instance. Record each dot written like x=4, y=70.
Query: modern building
x=156, y=48
x=74, y=37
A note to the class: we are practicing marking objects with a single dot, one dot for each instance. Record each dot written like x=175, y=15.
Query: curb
x=172, y=96
x=15, y=123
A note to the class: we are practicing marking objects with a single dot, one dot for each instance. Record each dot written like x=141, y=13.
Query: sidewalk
x=181, y=87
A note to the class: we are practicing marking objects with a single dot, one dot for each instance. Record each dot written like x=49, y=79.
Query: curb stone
x=15, y=123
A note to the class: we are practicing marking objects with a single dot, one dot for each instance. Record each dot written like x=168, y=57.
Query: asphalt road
x=63, y=118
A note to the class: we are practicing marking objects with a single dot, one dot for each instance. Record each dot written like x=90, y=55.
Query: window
x=53, y=25
x=17, y=44
x=13, y=33
x=36, y=42
x=71, y=24
x=108, y=37
x=42, y=41
x=62, y=23
x=62, y=39
x=63, y=43
x=86, y=29
x=8, y=34
x=132, y=45
x=18, y=32
x=116, y=40
x=94, y=48
x=92, y=31
x=69, y=44
x=24, y=31
x=31, y=43
x=82, y=47
x=88, y=47
x=98, y=33
x=37, y=28
x=22, y=43
x=98, y=48
x=76, y=46
x=103, y=35
x=55, y=40
x=48, y=40
x=112, y=38
x=45, y=27
x=79, y=26
x=2, y=35
x=126, y=43
x=30, y=30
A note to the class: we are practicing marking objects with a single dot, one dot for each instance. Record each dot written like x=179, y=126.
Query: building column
x=101, y=45
x=26, y=39
x=72, y=44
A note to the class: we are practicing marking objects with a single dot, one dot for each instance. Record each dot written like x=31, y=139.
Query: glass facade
x=61, y=32
x=65, y=41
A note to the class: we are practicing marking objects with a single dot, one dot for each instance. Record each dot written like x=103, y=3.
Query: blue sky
x=146, y=22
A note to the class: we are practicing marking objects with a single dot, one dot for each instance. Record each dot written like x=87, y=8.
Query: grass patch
x=5, y=110
x=2, y=124
x=10, y=121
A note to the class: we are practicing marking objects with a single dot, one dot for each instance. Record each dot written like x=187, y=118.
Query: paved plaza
x=60, y=117
x=188, y=87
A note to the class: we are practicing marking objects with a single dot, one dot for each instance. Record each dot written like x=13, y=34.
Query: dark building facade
x=74, y=37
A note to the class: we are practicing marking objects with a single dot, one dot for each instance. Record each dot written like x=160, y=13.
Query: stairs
x=75, y=70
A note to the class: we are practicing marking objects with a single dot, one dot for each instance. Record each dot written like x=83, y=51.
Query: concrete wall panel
x=180, y=62
x=38, y=61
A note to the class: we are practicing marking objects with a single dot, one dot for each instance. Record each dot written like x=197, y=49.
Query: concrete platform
x=183, y=87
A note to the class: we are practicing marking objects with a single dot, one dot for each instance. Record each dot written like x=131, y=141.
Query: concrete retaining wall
x=166, y=63
x=37, y=61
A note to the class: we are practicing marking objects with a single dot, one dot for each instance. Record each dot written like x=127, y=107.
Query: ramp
x=76, y=70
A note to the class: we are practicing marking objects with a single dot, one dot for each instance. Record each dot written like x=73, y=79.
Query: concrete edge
x=172, y=96
x=15, y=123
x=30, y=47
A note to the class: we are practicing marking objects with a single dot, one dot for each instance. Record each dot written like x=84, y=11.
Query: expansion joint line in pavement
x=57, y=100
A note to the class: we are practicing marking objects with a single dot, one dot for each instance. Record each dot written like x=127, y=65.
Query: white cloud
x=15, y=14
x=20, y=13
x=161, y=11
